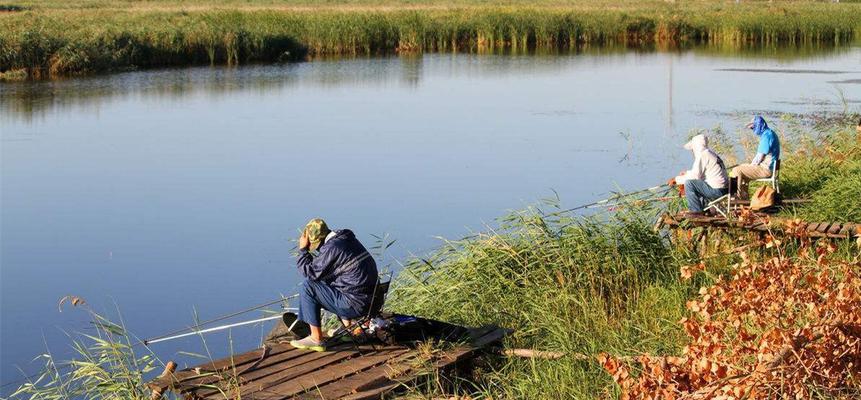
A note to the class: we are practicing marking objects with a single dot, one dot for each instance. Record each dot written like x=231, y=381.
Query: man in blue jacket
x=340, y=277
x=767, y=154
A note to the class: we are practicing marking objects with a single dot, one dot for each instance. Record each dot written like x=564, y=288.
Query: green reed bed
x=827, y=170
x=45, y=40
x=580, y=286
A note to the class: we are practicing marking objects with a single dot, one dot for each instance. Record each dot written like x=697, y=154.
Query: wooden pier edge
x=765, y=224
x=347, y=371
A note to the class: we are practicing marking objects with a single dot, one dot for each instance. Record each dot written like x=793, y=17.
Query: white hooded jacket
x=707, y=166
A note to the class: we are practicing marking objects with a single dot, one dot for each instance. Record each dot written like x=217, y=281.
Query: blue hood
x=759, y=125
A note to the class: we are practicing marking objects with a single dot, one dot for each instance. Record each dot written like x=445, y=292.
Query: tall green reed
x=47, y=42
x=570, y=284
x=105, y=366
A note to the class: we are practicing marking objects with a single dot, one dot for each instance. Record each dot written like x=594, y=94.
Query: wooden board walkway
x=834, y=230
x=344, y=372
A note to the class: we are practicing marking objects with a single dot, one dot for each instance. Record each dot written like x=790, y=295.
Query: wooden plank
x=320, y=378
x=817, y=230
x=823, y=227
x=459, y=354
x=268, y=388
x=267, y=367
x=373, y=378
x=238, y=360
x=813, y=227
x=381, y=375
x=372, y=389
x=356, y=372
x=758, y=225
x=835, y=229
x=372, y=394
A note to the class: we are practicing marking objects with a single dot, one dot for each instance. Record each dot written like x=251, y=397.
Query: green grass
x=825, y=169
x=51, y=38
x=579, y=286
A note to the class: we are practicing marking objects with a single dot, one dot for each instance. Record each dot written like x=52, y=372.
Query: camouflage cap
x=316, y=230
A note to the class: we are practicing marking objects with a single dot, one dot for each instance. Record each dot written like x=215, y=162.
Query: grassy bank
x=585, y=286
x=826, y=170
x=51, y=38
x=577, y=287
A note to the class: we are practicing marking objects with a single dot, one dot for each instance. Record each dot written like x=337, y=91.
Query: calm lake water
x=163, y=192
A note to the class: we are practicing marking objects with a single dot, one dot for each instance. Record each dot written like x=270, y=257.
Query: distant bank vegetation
x=49, y=38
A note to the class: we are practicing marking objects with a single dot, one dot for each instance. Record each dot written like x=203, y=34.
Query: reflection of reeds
x=49, y=42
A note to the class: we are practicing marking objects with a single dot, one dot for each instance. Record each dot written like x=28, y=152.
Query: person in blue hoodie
x=340, y=276
x=767, y=154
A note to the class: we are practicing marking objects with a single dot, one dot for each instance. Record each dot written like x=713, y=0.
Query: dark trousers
x=316, y=296
x=699, y=194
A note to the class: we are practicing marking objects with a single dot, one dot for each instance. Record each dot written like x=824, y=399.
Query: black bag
x=404, y=329
x=282, y=332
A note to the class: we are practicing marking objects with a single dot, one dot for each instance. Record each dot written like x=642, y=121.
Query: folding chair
x=773, y=179
x=719, y=207
x=724, y=209
x=378, y=299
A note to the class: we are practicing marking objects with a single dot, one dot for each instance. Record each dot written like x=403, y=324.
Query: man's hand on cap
x=303, y=241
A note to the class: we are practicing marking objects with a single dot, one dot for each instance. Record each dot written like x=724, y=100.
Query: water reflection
x=27, y=100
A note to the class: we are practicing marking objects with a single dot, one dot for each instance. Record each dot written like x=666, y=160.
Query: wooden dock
x=765, y=224
x=344, y=372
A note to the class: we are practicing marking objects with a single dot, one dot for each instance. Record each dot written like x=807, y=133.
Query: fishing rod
x=216, y=319
x=184, y=332
x=637, y=202
x=616, y=196
x=215, y=328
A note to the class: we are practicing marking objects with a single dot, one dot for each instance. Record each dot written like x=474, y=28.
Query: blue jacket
x=769, y=144
x=345, y=265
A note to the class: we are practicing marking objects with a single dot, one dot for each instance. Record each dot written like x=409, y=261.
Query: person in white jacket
x=706, y=180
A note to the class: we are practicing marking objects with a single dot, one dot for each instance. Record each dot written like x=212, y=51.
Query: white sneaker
x=308, y=343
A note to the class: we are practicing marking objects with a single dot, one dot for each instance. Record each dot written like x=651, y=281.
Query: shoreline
x=44, y=42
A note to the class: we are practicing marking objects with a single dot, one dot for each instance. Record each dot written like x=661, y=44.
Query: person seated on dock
x=706, y=180
x=767, y=155
x=340, y=278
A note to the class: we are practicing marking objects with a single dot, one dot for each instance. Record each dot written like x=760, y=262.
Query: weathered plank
x=372, y=393
x=814, y=229
x=202, y=371
x=270, y=368
x=289, y=371
x=348, y=371
x=380, y=375
x=321, y=377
